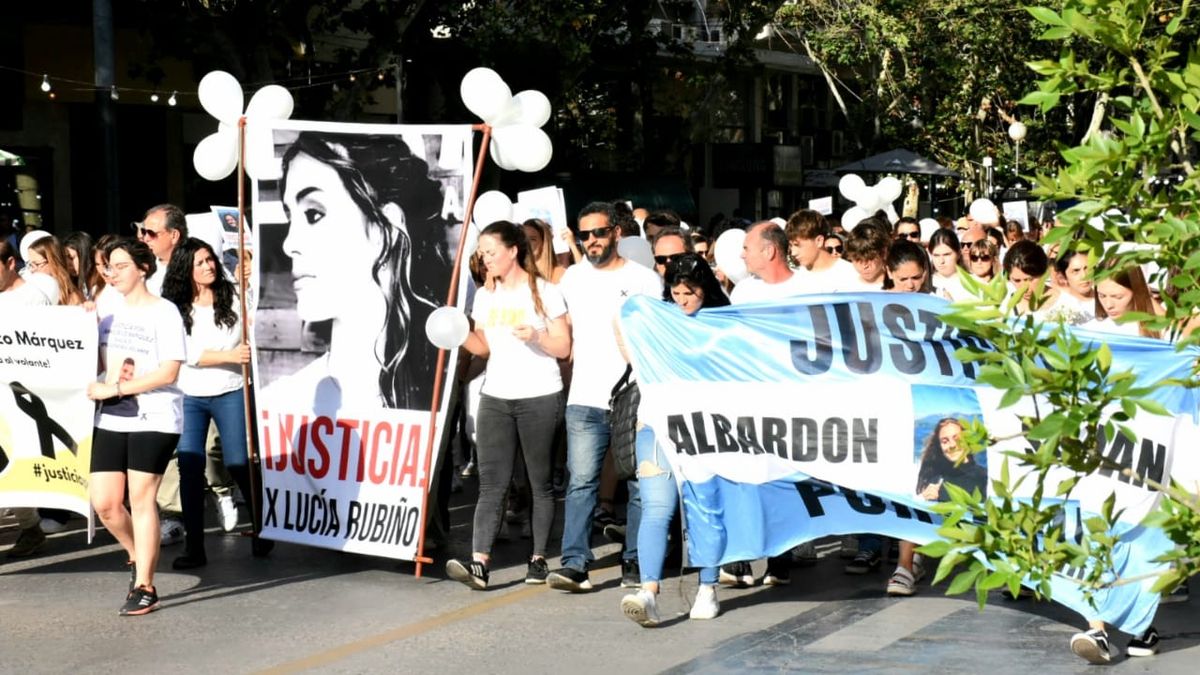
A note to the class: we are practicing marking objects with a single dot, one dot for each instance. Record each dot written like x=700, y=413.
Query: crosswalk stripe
x=895, y=622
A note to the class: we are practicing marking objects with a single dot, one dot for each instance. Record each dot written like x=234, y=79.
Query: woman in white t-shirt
x=140, y=416
x=521, y=326
x=1122, y=293
x=945, y=254
x=211, y=381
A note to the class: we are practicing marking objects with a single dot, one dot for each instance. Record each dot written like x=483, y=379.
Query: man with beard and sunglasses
x=594, y=293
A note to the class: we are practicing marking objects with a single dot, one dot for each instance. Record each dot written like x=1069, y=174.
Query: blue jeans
x=659, y=497
x=588, y=435
x=228, y=411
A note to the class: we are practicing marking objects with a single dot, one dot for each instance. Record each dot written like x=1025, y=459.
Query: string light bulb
x=46, y=83
x=154, y=97
x=381, y=76
x=171, y=101
x=352, y=77
x=113, y=94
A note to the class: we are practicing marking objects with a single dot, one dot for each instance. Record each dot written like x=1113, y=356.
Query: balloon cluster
x=869, y=199
x=221, y=96
x=518, y=142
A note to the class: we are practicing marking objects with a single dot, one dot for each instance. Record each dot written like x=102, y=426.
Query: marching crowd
x=540, y=364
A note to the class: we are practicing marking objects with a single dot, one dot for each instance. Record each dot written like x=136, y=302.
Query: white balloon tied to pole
x=518, y=142
x=216, y=156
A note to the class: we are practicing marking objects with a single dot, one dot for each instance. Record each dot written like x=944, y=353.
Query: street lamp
x=1017, y=132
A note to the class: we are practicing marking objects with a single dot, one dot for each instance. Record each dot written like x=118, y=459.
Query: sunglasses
x=836, y=250
x=911, y=235
x=597, y=232
x=683, y=265
x=666, y=259
x=143, y=232
x=981, y=258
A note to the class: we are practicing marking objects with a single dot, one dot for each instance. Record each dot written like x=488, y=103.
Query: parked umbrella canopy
x=9, y=159
x=898, y=161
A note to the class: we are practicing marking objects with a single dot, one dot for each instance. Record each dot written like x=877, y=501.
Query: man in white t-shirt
x=16, y=293
x=765, y=251
x=594, y=294
x=818, y=270
x=162, y=229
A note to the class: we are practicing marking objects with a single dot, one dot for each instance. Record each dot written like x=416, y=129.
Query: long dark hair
x=934, y=463
x=949, y=238
x=179, y=287
x=88, y=280
x=378, y=170
x=692, y=270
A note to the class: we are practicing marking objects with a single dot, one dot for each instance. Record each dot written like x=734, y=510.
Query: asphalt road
x=306, y=609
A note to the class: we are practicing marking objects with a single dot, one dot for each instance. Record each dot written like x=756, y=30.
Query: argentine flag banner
x=840, y=414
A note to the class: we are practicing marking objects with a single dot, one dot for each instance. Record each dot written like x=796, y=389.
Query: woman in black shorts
x=140, y=416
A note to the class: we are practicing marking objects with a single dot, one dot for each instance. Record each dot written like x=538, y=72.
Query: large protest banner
x=837, y=414
x=356, y=231
x=47, y=359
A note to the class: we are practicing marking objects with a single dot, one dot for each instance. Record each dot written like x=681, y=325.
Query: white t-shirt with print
x=517, y=369
x=145, y=335
x=594, y=298
x=207, y=335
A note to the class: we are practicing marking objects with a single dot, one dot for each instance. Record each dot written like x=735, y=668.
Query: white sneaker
x=171, y=531
x=706, y=605
x=902, y=583
x=641, y=608
x=229, y=513
x=52, y=526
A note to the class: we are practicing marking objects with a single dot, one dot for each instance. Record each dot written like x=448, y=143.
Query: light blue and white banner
x=837, y=414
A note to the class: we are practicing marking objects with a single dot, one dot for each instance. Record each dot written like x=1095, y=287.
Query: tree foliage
x=1140, y=60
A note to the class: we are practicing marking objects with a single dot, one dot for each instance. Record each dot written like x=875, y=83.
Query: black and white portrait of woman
x=356, y=234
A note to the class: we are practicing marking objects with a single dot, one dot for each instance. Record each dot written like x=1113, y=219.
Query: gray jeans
x=503, y=426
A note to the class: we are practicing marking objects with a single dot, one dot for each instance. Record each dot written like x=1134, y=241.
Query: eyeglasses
x=666, y=259
x=836, y=250
x=110, y=270
x=35, y=266
x=597, y=232
x=981, y=258
x=143, y=232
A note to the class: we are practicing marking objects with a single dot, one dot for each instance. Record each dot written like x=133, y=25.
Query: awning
x=898, y=161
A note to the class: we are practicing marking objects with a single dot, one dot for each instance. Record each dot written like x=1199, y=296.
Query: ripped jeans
x=660, y=497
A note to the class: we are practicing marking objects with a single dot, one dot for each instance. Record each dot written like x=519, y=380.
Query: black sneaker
x=779, y=571
x=30, y=541
x=1091, y=646
x=865, y=561
x=1145, y=644
x=614, y=532
x=474, y=574
x=569, y=579
x=737, y=575
x=141, y=600
x=631, y=574
x=537, y=571
x=190, y=560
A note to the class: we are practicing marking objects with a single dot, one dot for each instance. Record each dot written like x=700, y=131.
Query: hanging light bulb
x=352, y=77
x=154, y=97
x=53, y=96
x=112, y=93
x=46, y=83
x=171, y=101
x=381, y=76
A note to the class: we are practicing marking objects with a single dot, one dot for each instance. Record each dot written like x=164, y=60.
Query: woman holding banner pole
x=692, y=285
x=211, y=381
x=140, y=416
x=521, y=326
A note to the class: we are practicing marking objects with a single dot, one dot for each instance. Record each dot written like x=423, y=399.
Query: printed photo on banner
x=939, y=452
x=356, y=230
x=47, y=358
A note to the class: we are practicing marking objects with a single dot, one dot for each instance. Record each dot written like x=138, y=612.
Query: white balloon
x=271, y=102
x=490, y=207
x=261, y=162
x=637, y=250
x=534, y=108
x=870, y=200
x=892, y=216
x=853, y=216
x=484, y=93
x=727, y=253
x=890, y=187
x=521, y=147
x=216, y=156
x=221, y=96
x=852, y=187
x=984, y=212
x=447, y=327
